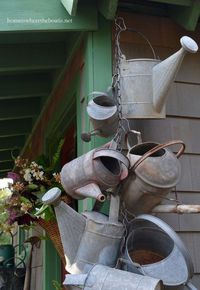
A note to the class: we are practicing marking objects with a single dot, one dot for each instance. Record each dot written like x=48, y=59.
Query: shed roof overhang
x=36, y=43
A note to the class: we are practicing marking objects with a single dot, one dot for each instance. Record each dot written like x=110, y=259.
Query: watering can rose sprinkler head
x=86, y=137
x=165, y=72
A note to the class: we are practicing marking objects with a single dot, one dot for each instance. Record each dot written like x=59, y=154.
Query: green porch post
x=96, y=76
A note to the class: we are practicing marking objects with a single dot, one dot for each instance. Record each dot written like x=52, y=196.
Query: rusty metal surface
x=153, y=176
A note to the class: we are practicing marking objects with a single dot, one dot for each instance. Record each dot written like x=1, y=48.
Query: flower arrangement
x=20, y=201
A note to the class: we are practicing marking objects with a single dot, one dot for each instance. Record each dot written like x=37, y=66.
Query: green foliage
x=56, y=285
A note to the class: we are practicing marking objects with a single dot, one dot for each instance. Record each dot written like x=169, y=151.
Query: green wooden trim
x=96, y=75
x=186, y=16
x=70, y=6
x=35, y=15
x=51, y=266
x=108, y=8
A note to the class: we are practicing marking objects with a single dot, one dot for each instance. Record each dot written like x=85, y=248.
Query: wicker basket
x=52, y=230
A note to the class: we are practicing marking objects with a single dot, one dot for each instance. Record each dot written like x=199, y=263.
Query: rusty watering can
x=145, y=83
x=103, y=114
x=104, y=278
x=154, y=249
x=155, y=171
x=93, y=172
x=87, y=238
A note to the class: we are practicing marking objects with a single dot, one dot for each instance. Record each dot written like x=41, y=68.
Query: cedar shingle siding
x=183, y=117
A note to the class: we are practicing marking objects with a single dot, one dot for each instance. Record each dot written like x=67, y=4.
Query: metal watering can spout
x=71, y=224
x=91, y=190
x=165, y=72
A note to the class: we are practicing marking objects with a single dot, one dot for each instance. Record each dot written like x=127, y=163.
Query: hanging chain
x=119, y=27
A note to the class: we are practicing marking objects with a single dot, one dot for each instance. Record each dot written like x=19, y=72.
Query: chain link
x=119, y=27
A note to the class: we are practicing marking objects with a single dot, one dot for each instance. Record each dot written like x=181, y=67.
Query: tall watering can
x=88, y=238
x=145, y=83
x=155, y=171
x=154, y=249
x=97, y=170
x=103, y=114
x=104, y=278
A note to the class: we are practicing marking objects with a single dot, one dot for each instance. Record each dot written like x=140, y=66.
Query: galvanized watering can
x=154, y=249
x=103, y=114
x=88, y=238
x=93, y=172
x=155, y=170
x=145, y=83
x=104, y=278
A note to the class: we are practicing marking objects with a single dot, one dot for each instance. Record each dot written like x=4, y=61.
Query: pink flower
x=14, y=176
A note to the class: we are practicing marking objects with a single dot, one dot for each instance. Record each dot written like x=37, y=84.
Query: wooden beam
x=186, y=16
x=4, y=171
x=108, y=8
x=19, y=108
x=15, y=127
x=6, y=164
x=5, y=155
x=174, y=2
x=37, y=15
x=70, y=6
x=11, y=142
x=25, y=84
x=35, y=56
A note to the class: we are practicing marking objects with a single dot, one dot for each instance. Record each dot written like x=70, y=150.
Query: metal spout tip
x=101, y=197
x=86, y=137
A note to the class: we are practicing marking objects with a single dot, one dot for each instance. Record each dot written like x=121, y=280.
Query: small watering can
x=154, y=249
x=155, y=171
x=88, y=238
x=97, y=170
x=103, y=114
x=104, y=278
x=145, y=83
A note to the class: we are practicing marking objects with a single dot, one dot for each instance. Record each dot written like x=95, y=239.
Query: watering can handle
x=143, y=36
x=138, y=135
x=157, y=148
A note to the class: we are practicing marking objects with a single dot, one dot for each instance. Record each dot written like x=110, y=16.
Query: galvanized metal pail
x=155, y=170
x=97, y=170
x=154, y=249
x=87, y=238
x=104, y=278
